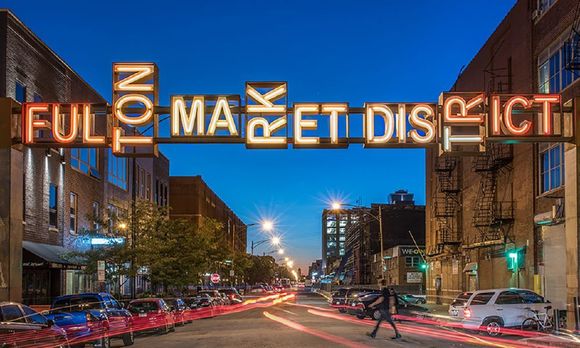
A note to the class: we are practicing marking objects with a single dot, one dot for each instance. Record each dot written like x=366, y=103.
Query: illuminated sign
x=263, y=118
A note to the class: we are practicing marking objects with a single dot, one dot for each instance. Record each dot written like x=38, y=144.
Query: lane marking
x=320, y=334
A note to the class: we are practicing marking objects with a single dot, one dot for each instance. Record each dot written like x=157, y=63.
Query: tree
x=170, y=253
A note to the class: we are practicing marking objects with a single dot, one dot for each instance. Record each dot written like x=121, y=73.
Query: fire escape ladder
x=445, y=204
x=490, y=216
x=573, y=63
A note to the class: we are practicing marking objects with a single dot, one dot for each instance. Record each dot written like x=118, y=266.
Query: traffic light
x=515, y=259
x=424, y=266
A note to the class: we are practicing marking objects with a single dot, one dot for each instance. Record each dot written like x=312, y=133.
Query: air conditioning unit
x=546, y=218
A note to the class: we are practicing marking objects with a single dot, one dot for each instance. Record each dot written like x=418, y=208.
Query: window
x=552, y=73
x=33, y=317
x=81, y=304
x=461, y=299
x=20, y=92
x=509, y=297
x=148, y=187
x=481, y=298
x=86, y=161
x=412, y=261
x=551, y=167
x=530, y=297
x=544, y=5
x=52, y=205
x=96, y=216
x=117, y=170
x=73, y=212
x=341, y=252
x=12, y=313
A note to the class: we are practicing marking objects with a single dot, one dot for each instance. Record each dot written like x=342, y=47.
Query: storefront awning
x=52, y=254
x=470, y=267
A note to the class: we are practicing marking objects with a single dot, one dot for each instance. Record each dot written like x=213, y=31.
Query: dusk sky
x=351, y=51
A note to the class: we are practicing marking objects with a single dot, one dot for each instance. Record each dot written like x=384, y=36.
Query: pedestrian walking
x=387, y=304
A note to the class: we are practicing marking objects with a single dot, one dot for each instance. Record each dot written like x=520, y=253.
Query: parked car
x=199, y=301
x=413, y=299
x=338, y=299
x=258, y=290
x=152, y=314
x=493, y=309
x=361, y=306
x=22, y=326
x=215, y=296
x=180, y=310
x=94, y=317
x=232, y=295
x=456, y=307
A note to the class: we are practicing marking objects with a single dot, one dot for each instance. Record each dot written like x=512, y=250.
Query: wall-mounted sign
x=459, y=122
x=414, y=277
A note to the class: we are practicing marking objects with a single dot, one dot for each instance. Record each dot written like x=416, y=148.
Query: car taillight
x=467, y=312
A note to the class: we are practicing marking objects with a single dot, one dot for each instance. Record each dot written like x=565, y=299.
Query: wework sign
x=263, y=118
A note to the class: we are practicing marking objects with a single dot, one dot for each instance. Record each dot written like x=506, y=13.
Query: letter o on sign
x=134, y=120
x=215, y=278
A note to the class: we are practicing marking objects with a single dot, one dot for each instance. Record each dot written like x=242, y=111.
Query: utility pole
x=133, y=222
x=382, y=246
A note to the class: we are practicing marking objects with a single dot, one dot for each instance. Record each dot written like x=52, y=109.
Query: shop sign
x=263, y=118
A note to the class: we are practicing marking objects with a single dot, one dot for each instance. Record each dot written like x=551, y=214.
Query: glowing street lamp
x=336, y=205
x=280, y=251
x=290, y=263
x=267, y=225
x=122, y=226
x=275, y=240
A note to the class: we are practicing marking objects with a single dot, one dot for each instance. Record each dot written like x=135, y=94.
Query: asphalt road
x=307, y=323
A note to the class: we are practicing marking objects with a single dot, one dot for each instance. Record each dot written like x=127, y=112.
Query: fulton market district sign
x=458, y=123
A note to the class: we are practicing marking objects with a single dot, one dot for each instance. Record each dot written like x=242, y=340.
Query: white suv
x=490, y=310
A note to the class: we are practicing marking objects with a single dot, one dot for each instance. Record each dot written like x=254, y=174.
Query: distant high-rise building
x=334, y=227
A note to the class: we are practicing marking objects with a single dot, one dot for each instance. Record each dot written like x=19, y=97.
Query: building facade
x=191, y=198
x=509, y=217
x=56, y=199
x=334, y=227
x=351, y=237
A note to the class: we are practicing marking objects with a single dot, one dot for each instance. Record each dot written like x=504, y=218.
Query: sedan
x=22, y=326
x=151, y=314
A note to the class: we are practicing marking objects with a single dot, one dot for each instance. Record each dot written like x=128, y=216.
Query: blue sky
x=353, y=51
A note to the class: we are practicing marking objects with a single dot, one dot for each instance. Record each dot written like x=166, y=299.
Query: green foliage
x=173, y=253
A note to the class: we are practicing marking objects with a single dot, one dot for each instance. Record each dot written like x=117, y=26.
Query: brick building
x=53, y=195
x=508, y=218
x=357, y=239
x=191, y=198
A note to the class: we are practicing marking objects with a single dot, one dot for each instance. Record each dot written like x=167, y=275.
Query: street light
x=338, y=206
x=280, y=251
x=290, y=263
x=275, y=240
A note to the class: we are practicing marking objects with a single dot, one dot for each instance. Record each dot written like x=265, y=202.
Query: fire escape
x=491, y=217
x=446, y=205
x=574, y=41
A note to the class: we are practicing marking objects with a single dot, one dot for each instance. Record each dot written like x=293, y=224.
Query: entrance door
x=438, y=290
x=471, y=282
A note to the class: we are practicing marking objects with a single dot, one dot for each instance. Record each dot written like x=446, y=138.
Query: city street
x=302, y=325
